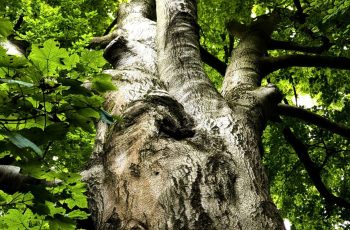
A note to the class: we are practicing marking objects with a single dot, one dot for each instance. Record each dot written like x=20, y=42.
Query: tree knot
x=170, y=115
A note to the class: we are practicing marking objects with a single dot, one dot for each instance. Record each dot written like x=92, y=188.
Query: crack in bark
x=204, y=221
x=222, y=176
x=113, y=222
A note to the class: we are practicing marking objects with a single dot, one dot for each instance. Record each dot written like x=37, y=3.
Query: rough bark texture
x=186, y=156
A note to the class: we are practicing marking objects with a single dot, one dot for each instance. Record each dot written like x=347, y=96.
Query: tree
x=185, y=155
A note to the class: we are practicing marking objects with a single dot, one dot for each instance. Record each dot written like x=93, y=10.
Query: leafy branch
x=313, y=170
x=313, y=118
x=271, y=64
x=275, y=44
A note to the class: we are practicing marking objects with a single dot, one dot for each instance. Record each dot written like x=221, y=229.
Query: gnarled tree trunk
x=185, y=156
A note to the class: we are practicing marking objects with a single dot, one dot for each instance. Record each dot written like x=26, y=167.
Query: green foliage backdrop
x=46, y=115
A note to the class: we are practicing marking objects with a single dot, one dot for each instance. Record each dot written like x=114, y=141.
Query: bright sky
x=287, y=224
x=305, y=100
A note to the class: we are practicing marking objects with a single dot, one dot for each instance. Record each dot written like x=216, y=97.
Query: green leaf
x=79, y=120
x=34, y=134
x=4, y=198
x=23, y=198
x=78, y=214
x=60, y=223
x=22, y=142
x=75, y=86
x=49, y=57
x=71, y=61
x=53, y=209
x=106, y=117
x=37, y=170
x=78, y=200
x=22, y=83
x=93, y=59
x=21, y=219
x=83, y=101
x=57, y=131
x=103, y=83
x=13, y=219
x=89, y=112
x=5, y=28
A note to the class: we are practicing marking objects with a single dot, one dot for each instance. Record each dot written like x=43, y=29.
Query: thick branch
x=228, y=49
x=274, y=44
x=313, y=118
x=300, y=13
x=13, y=181
x=245, y=70
x=110, y=27
x=213, y=61
x=271, y=64
x=13, y=46
x=313, y=170
x=298, y=6
x=236, y=28
x=179, y=62
x=103, y=41
x=19, y=22
x=264, y=23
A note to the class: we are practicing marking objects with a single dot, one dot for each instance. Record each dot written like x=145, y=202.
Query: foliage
x=213, y=32
x=70, y=22
x=43, y=108
x=50, y=99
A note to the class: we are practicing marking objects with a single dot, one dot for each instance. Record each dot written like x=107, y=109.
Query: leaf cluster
x=49, y=102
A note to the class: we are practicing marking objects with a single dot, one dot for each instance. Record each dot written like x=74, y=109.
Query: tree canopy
x=51, y=94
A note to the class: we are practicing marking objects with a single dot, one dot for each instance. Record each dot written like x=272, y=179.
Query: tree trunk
x=185, y=156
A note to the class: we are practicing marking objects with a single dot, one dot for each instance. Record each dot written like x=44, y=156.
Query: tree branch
x=18, y=23
x=236, y=28
x=22, y=119
x=213, y=61
x=298, y=6
x=229, y=49
x=300, y=13
x=102, y=41
x=271, y=64
x=110, y=27
x=313, y=170
x=180, y=67
x=11, y=180
x=313, y=118
x=274, y=44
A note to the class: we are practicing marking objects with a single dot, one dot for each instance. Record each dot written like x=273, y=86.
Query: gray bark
x=186, y=156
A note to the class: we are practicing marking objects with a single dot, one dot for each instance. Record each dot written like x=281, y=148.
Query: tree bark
x=185, y=156
x=300, y=60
